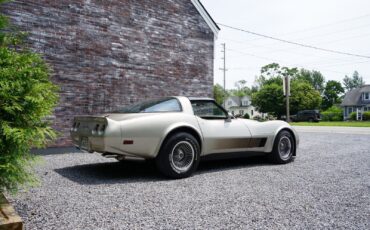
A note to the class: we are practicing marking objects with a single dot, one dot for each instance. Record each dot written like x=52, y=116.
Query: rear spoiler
x=99, y=119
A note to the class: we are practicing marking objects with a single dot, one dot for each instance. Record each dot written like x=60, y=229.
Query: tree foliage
x=219, y=94
x=332, y=92
x=314, y=78
x=353, y=82
x=26, y=97
x=270, y=99
x=241, y=89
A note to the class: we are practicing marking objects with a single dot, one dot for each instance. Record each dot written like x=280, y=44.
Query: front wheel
x=284, y=148
x=179, y=156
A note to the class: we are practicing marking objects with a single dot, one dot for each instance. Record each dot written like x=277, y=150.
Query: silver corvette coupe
x=178, y=131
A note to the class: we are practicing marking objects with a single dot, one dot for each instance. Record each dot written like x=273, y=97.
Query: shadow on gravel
x=111, y=172
x=141, y=171
x=210, y=166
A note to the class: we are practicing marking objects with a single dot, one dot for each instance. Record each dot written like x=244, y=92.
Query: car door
x=220, y=132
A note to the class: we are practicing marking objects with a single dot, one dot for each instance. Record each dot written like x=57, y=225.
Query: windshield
x=153, y=106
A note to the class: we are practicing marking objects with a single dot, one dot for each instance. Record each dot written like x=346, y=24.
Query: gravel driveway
x=327, y=186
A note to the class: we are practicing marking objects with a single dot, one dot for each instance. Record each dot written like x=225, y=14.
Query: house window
x=241, y=112
x=244, y=103
x=366, y=96
x=350, y=110
x=252, y=112
x=229, y=102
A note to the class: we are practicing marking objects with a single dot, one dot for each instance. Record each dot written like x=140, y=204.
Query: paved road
x=329, y=129
x=326, y=187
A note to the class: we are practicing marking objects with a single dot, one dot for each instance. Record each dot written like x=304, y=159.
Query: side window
x=171, y=105
x=208, y=110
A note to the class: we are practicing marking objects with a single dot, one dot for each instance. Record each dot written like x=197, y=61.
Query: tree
x=332, y=92
x=314, y=78
x=26, y=97
x=303, y=96
x=270, y=99
x=241, y=89
x=353, y=82
x=273, y=73
x=219, y=94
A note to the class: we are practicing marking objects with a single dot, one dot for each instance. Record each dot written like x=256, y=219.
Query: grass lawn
x=334, y=123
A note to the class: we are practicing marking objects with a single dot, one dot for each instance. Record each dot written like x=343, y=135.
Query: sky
x=341, y=25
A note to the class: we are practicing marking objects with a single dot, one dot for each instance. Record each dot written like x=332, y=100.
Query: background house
x=357, y=100
x=240, y=106
x=106, y=54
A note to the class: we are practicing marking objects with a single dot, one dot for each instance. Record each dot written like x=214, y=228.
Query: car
x=177, y=132
x=307, y=115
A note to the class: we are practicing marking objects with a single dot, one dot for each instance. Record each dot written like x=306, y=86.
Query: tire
x=179, y=156
x=284, y=148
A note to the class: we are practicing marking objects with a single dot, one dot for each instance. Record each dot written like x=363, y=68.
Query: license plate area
x=84, y=143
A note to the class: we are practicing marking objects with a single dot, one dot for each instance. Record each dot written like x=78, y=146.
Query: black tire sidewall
x=163, y=162
x=276, y=158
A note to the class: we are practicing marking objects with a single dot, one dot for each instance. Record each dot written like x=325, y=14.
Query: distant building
x=356, y=100
x=108, y=54
x=240, y=106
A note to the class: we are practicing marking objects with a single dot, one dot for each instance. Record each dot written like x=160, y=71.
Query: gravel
x=327, y=186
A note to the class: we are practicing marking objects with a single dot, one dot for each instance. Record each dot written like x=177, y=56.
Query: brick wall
x=105, y=54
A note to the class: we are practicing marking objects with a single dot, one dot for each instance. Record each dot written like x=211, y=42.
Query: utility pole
x=224, y=68
x=286, y=88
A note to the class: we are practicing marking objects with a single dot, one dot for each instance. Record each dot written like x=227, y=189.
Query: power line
x=315, y=27
x=279, y=61
x=330, y=24
x=294, y=43
x=279, y=50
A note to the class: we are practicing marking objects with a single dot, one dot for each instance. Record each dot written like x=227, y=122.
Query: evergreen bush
x=27, y=96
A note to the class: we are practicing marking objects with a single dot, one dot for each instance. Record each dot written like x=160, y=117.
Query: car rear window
x=153, y=106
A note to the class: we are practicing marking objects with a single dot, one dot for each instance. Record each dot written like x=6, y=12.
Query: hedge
x=27, y=96
x=366, y=116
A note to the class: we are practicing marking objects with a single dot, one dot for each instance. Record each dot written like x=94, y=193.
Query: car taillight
x=98, y=129
x=95, y=130
x=101, y=130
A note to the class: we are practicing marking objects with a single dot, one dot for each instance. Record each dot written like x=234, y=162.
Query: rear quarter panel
x=148, y=133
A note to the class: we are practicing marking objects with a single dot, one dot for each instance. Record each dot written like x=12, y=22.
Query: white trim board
x=206, y=17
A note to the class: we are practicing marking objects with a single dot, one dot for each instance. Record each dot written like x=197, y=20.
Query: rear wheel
x=179, y=156
x=284, y=148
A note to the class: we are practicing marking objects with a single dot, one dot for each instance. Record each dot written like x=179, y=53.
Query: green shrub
x=366, y=116
x=246, y=116
x=26, y=97
x=334, y=113
x=353, y=116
